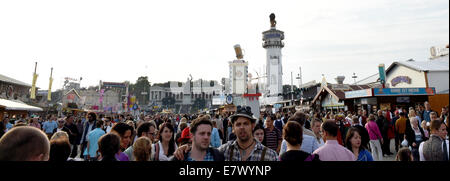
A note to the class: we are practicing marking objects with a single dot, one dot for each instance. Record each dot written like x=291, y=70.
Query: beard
x=244, y=137
x=200, y=146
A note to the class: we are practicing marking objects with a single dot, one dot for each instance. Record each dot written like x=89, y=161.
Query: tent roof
x=17, y=106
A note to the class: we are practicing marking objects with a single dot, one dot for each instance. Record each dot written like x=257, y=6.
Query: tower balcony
x=278, y=44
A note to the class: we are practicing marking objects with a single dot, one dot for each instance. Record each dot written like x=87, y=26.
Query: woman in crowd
x=375, y=138
x=259, y=133
x=293, y=134
x=163, y=150
x=353, y=143
x=109, y=147
x=425, y=128
x=412, y=114
x=124, y=131
x=414, y=135
x=142, y=149
x=133, y=133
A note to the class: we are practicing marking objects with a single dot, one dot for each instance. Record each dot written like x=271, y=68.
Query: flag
x=49, y=94
x=33, y=87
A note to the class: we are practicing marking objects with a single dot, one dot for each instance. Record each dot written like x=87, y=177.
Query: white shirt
x=162, y=156
x=108, y=129
x=422, y=158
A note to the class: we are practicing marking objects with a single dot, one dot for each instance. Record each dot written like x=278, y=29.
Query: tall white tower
x=273, y=45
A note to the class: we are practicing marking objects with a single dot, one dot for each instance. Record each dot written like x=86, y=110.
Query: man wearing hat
x=245, y=147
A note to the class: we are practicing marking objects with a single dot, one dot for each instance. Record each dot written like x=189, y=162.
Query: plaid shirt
x=208, y=157
x=255, y=155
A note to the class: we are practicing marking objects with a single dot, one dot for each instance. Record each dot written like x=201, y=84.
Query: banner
x=102, y=91
x=33, y=87
x=382, y=74
x=49, y=94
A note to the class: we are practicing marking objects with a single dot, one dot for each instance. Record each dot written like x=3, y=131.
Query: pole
x=301, y=82
x=292, y=90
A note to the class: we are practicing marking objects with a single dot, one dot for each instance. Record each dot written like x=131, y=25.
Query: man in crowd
x=400, y=127
x=383, y=125
x=49, y=126
x=73, y=133
x=146, y=129
x=88, y=126
x=427, y=111
x=435, y=148
x=245, y=144
x=309, y=143
x=92, y=144
x=278, y=122
x=200, y=132
x=273, y=135
x=25, y=143
x=332, y=150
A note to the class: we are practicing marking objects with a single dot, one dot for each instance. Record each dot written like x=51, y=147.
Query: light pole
x=299, y=77
x=292, y=90
x=354, y=77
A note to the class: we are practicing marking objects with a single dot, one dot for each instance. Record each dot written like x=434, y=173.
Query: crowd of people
x=418, y=134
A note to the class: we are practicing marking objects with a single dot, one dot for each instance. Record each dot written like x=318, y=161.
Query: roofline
x=329, y=92
x=399, y=63
x=412, y=68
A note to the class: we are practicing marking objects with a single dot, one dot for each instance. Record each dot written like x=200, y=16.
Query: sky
x=118, y=40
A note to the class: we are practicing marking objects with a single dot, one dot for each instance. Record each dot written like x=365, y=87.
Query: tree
x=198, y=104
x=141, y=90
x=168, y=101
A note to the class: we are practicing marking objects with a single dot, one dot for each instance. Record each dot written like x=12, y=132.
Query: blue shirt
x=93, y=138
x=49, y=126
x=426, y=115
x=8, y=126
x=215, y=138
x=208, y=157
x=309, y=145
x=364, y=155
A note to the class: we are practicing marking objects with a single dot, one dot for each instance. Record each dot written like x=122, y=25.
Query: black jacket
x=411, y=136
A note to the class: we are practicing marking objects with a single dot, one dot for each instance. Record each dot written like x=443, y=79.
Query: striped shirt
x=255, y=155
x=272, y=138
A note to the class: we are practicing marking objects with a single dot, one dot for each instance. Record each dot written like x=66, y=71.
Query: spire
x=324, y=81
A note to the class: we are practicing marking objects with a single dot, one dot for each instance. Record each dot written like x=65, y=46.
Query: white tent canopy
x=17, y=106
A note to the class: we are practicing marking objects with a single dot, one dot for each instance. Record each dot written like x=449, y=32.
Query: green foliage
x=141, y=85
x=168, y=101
x=198, y=104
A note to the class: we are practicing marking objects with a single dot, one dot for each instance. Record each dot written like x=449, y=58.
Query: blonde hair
x=142, y=149
x=60, y=135
x=412, y=112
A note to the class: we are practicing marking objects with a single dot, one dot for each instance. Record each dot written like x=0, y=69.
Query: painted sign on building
x=404, y=91
x=400, y=79
x=358, y=93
